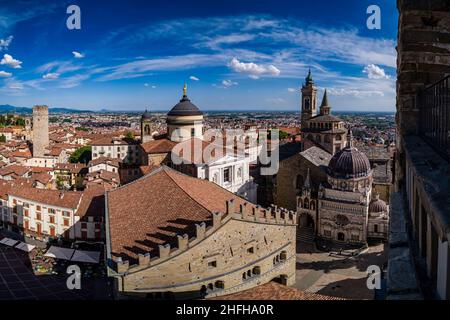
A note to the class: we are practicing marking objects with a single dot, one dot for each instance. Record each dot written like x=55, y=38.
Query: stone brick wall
x=225, y=255
x=288, y=173
x=423, y=58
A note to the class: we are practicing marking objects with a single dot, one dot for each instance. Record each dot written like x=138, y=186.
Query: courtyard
x=337, y=275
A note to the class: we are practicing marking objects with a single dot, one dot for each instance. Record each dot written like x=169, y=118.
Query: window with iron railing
x=434, y=120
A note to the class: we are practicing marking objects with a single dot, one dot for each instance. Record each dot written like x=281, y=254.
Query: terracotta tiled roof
x=155, y=208
x=14, y=169
x=93, y=202
x=72, y=167
x=194, y=151
x=158, y=146
x=108, y=141
x=110, y=161
x=43, y=178
x=274, y=291
x=21, y=154
x=104, y=175
x=66, y=199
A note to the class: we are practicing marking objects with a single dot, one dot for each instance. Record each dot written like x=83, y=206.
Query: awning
x=9, y=242
x=59, y=253
x=86, y=256
x=25, y=247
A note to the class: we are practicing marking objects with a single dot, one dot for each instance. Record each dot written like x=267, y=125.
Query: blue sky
x=136, y=54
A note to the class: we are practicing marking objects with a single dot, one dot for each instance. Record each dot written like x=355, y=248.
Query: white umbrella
x=25, y=247
x=11, y=242
x=59, y=253
x=86, y=256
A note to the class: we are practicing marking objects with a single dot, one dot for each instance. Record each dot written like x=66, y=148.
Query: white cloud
x=229, y=83
x=193, y=78
x=58, y=67
x=4, y=43
x=148, y=85
x=51, y=76
x=4, y=74
x=77, y=55
x=252, y=69
x=276, y=101
x=140, y=68
x=355, y=92
x=9, y=61
x=375, y=72
x=292, y=89
x=73, y=81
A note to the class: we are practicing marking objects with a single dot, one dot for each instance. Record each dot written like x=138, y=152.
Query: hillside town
x=136, y=191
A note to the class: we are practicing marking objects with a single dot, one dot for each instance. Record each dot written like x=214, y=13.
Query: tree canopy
x=81, y=155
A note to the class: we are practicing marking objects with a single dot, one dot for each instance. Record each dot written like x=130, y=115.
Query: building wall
x=228, y=249
x=179, y=127
x=45, y=162
x=291, y=169
x=103, y=166
x=16, y=209
x=423, y=59
x=127, y=153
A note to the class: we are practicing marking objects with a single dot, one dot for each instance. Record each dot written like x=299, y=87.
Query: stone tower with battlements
x=40, y=130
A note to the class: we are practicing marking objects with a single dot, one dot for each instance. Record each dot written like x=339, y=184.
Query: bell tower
x=309, y=100
x=146, y=127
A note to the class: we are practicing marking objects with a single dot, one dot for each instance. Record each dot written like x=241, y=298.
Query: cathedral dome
x=185, y=107
x=377, y=205
x=349, y=163
x=146, y=115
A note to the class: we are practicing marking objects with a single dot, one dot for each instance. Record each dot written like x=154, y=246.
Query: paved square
x=319, y=272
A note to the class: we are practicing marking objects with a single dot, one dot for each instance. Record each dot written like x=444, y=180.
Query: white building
x=126, y=150
x=44, y=214
x=204, y=159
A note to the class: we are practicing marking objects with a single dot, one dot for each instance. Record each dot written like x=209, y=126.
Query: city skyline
x=233, y=57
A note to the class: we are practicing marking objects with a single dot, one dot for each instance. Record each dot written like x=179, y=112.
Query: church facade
x=330, y=182
x=344, y=208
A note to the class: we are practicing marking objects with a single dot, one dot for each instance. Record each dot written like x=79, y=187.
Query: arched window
x=312, y=205
x=256, y=270
x=300, y=203
x=307, y=104
x=306, y=203
x=338, y=137
x=147, y=129
x=219, y=284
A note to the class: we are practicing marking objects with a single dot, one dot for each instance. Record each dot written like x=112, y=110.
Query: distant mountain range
x=6, y=108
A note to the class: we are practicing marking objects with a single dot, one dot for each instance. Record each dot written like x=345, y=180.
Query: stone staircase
x=305, y=234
